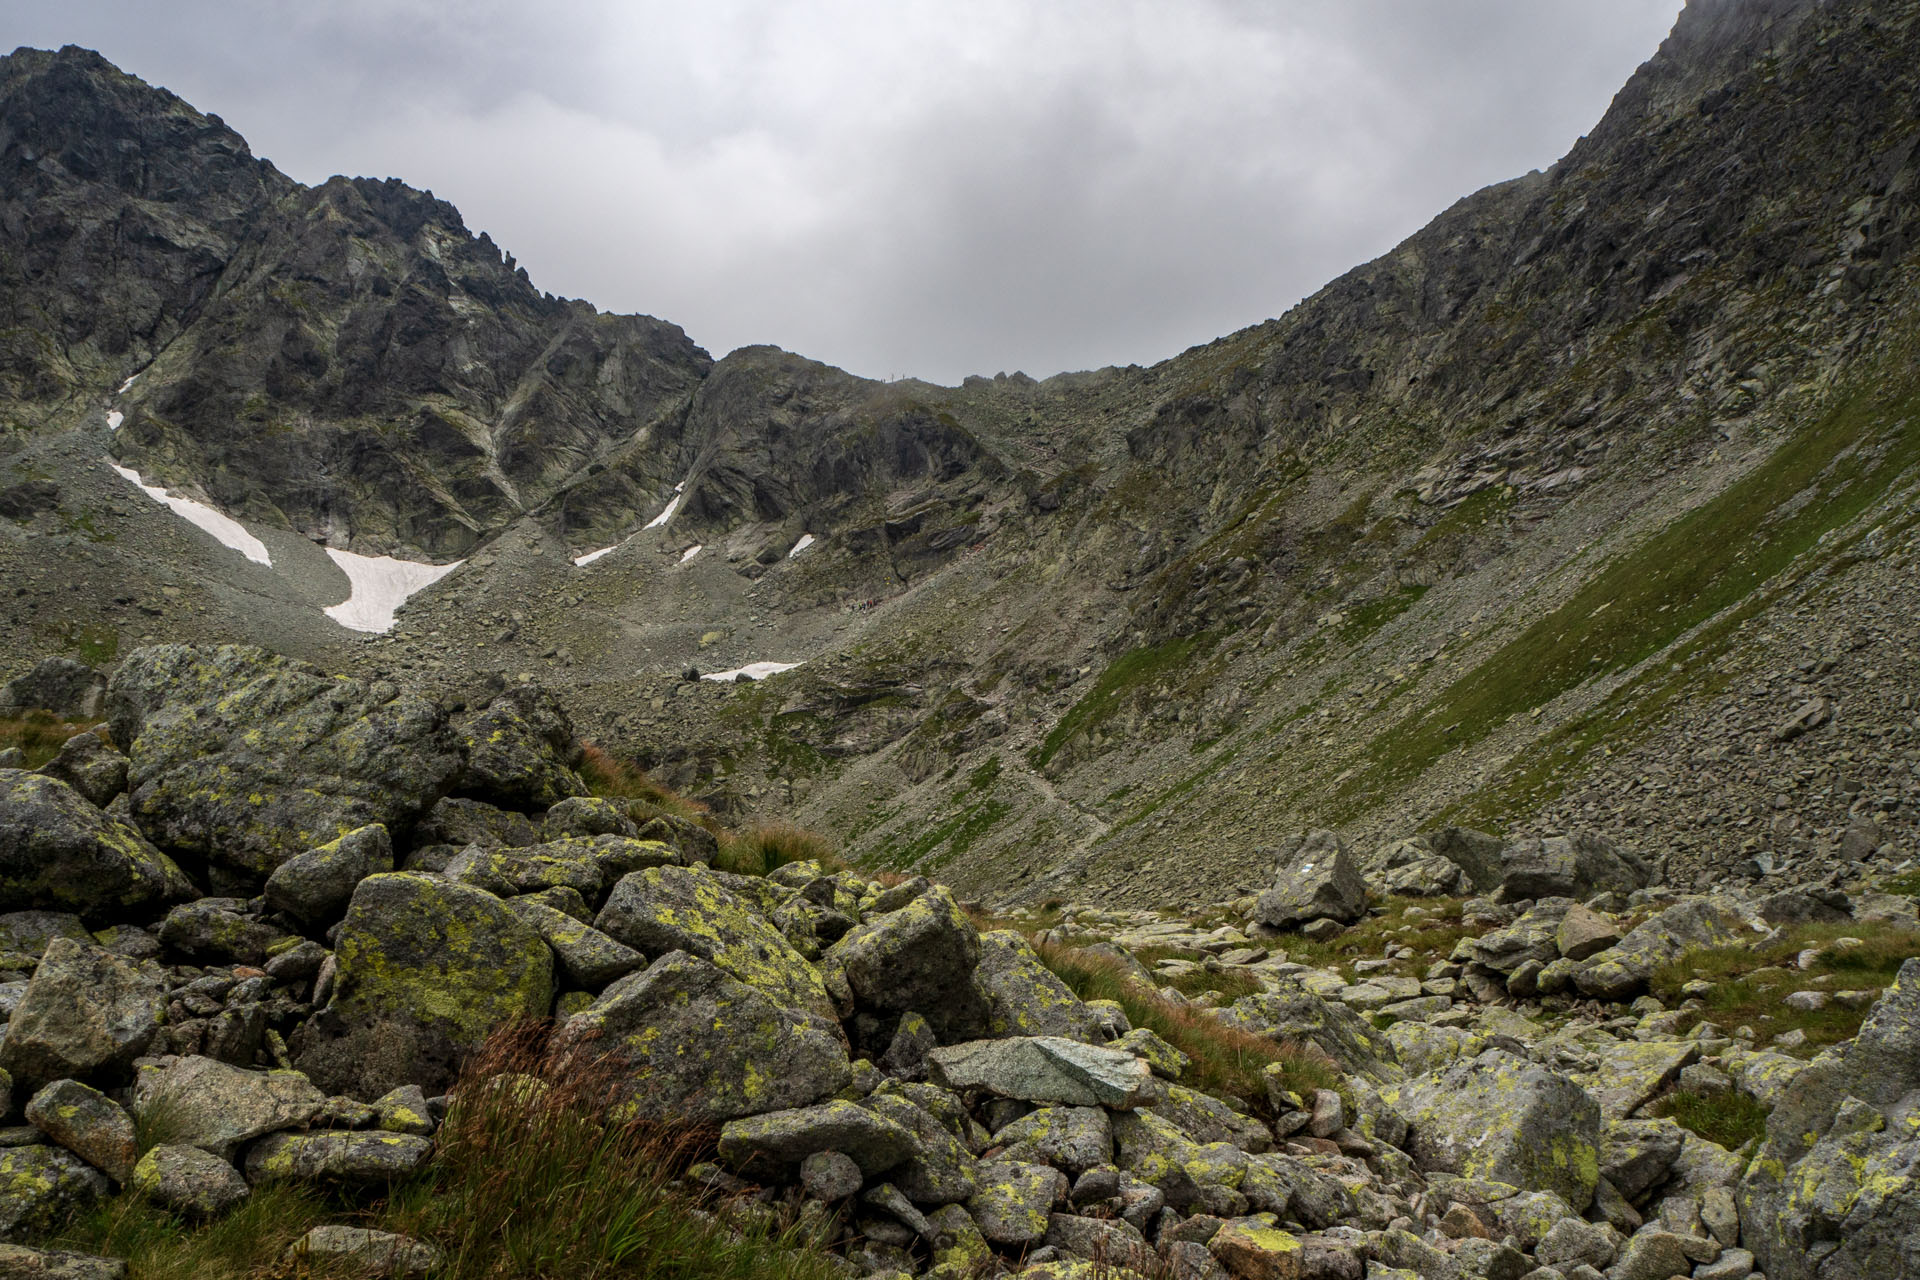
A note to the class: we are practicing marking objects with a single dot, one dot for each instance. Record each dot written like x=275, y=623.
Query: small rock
x=17, y=1262
x=189, y=1181
x=87, y=1123
x=372, y=1253
x=830, y=1176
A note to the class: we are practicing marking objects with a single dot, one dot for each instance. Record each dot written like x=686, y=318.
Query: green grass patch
x=1731, y=1119
x=768, y=846
x=40, y=734
x=1707, y=561
x=1365, y=619
x=1750, y=983
x=1125, y=676
x=157, y=1245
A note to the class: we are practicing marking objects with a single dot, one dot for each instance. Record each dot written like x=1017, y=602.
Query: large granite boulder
x=1624, y=968
x=1835, y=1189
x=426, y=970
x=86, y=1011
x=520, y=752
x=920, y=957
x=316, y=885
x=1504, y=1119
x=694, y=1043
x=1045, y=1069
x=57, y=851
x=217, y=1107
x=71, y=690
x=672, y=908
x=247, y=758
x=1575, y=866
x=1314, y=878
x=1024, y=997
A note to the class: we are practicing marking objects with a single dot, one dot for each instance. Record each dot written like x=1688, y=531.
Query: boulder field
x=262, y=936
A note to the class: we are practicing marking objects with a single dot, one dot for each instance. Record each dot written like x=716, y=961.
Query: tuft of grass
x=1224, y=1059
x=1730, y=1119
x=157, y=1245
x=612, y=778
x=40, y=734
x=768, y=846
x=541, y=1171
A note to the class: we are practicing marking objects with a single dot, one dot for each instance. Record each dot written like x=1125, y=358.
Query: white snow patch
x=806, y=540
x=114, y=419
x=127, y=385
x=681, y=487
x=591, y=556
x=690, y=553
x=666, y=515
x=380, y=585
x=753, y=671
x=227, y=531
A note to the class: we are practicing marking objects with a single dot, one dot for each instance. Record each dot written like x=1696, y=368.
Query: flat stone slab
x=1046, y=1069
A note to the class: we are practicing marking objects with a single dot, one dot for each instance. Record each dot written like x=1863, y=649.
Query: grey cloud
x=904, y=187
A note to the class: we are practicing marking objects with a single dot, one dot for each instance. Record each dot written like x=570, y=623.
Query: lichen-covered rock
x=1104, y=1242
x=1636, y=1155
x=1075, y=1139
x=40, y=1186
x=1025, y=998
x=1584, y=932
x=316, y=885
x=921, y=957
x=345, y=1157
x=671, y=908
x=199, y=1102
x=1290, y=1013
x=86, y=1011
x=1207, y=1119
x=1835, y=1188
x=1623, y=969
x=1502, y=1118
x=1251, y=1252
x=248, y=758
x=830, y=1176
x=1315, y=879
x=586, y=816
x=505, y=872
x=381, y=1255
x=1575, y=866
x=88, y=1123
x=188, y=1180
x=220, y=930
x=460, y=822
x=71, y=690
x=17, y=1262
x=29, y=932
x=695, y=842
x=92, y=768
x=1530, y=938
x=405, y=1110
x=698, y=1044
x=520, y=753
x=61, y=853
x=1632, y=1072
x=787, y=1137
x=1015, y=1201
x=426, y=970
x=941, y=1169
x=590, y=957
x=1045, y=1069
x=1159, y=1153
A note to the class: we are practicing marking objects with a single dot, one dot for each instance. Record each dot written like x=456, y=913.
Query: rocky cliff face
x=1541, y=517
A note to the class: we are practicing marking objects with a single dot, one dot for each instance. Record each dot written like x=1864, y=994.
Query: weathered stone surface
x=1575, y=866
x=1101, y=1240
x=367, y=1252
x=29, y=932
x=1632, y=1072
x=1835, y=1188
x=338, y=1156
x=219, y=930
x=870, y=1140
x=61, y=853
x=1571, y=1240
x=941, y=1169
x=1015, y=1202
x=87, y=1123
x=1159, y=1153
x=85, y=1011
x=1502, y=1118
x=460, y=822
x=40, y=1186
x=1584, y=932
x=830, y=1176
x=1315, y=879
x=1075, y=1139
x=1624, y=969
x=562, y=864
x=188, y=1180
x=1290, y=1014
x=1653, y=1254
x=248, y=758
x=700, y=1044
x=1635, y=1155
x=317, y=885
x=520, y=752
x=426, y=970
x=198, y=1102
x=590, y=957
x=920, y=957
x=664, y=909
x=586, y=816
x=1252, y=1252
x=1025, y=998
x=17, y=1262
x=405, y=1110
x=92, y=768
x=1045, y=1069
x=71, y=690
x=1474, y=852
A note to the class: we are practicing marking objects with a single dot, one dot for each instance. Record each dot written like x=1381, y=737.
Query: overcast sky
x=905, y=188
